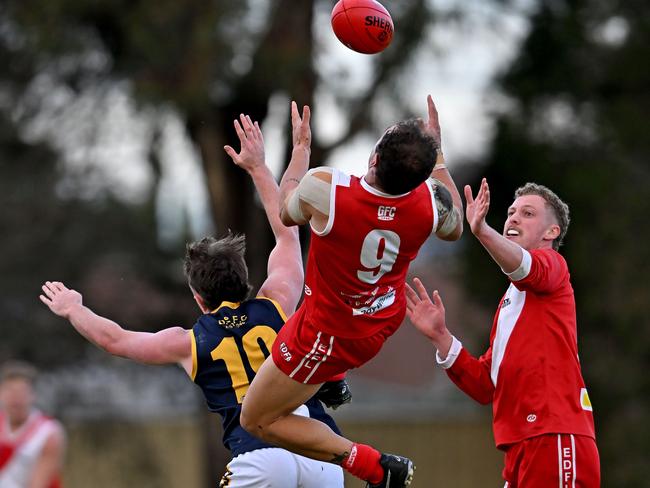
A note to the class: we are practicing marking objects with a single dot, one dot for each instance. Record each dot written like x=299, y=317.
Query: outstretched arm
x=470, y=374
x=450, y=227
x=167, y=346
x=285, y=273
x=292, y=212
x=507, y=254
x=427, y=314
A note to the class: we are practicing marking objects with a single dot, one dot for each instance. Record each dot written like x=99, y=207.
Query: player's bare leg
x=266, y=413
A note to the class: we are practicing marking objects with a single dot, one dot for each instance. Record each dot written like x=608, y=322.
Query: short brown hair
x=216, y=269
x=558, y=207
x=15, y=369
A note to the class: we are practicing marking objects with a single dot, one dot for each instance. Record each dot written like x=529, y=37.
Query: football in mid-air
x=364, y=26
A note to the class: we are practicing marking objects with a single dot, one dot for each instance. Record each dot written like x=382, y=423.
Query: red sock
x=363, y=462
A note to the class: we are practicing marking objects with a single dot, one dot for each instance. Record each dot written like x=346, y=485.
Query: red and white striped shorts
x=312, y=356
x=553, y=460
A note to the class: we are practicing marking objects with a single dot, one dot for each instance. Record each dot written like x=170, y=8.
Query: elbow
x=285, y=219
x=457, y=233
x=451, y=226
x=251, y=424
x=454, y=235
x=287, y=222
x=484, y=396
x=113, y=344
x=248, y=425
x=111, y=347
x=484, y=400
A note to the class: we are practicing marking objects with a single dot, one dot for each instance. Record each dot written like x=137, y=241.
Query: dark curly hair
x=216, y=269
x=406, y=156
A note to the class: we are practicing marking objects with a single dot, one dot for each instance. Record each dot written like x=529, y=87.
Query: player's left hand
x=60, y=299
x=300, y=128
x=251, y=155
x=432, y=125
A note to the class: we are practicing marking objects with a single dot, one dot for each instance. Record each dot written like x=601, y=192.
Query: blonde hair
x=558, y=207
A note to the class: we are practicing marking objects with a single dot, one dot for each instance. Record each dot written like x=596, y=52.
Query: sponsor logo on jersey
x=362, y=299
x=233, y=322
x=531, y=418
x=284, y=350
x=379, y=303
x=386, y=213
x=505, y=303
x=585, y=401
x=307, y=291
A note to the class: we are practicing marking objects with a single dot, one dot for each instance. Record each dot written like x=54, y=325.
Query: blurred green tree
x=207, y=62
x=577, y=100
x=100, y=245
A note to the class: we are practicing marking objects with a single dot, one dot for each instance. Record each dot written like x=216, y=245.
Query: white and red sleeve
x=470, y=374
x=541, y=271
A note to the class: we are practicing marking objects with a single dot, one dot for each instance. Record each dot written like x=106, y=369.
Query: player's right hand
x=251, y=155
x=427, y=314
x=477, y=208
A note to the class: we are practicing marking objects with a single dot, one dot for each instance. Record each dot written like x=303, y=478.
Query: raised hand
x=251, y=140
x=432, y=126
x=60, y=299
x=301, y=131
x=477, y=208
x=428, y=315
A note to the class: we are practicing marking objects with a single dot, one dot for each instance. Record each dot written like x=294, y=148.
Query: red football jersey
x=356, y=268
x=20, y=450
x=531, y=371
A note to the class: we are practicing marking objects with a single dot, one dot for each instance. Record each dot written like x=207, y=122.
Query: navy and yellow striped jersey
x=228, y=347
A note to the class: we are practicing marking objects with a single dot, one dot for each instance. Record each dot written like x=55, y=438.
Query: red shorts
x=562, y=460
x=309, y=355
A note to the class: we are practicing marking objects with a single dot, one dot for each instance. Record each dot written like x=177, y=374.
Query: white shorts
x=273, y=467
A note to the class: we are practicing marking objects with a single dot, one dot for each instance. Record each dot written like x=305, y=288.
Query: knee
x=250, y=423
